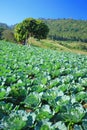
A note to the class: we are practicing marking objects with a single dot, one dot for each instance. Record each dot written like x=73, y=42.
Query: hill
x=3, y=27
x=6, y=32
x=67, y=29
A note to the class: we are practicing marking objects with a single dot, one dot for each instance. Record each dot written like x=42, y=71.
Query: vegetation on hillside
x=61, y=29
x=2, y=28
x=69, y=33
x=6, y=33
x=67, y=29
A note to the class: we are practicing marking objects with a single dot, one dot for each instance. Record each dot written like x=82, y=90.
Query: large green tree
x=30, y=28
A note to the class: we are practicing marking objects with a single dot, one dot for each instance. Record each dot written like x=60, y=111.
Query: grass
x=65, y=46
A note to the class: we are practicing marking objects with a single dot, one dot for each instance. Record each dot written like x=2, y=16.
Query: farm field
x=42, y=89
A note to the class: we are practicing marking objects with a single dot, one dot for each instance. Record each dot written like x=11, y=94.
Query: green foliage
x=67, y=29
x=32, y=101
x=30, y=28
x=78, y=45
x=8, y=35
x=1, y=30
x=41, y=30
x=20, y=33
x=42, y=89
x=59, y=29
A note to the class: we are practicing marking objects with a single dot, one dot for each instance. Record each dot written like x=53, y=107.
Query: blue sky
x=14, y=11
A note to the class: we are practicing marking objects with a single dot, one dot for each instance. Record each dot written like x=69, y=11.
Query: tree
x=41, y=30
x=30, y=28
x=20, y=33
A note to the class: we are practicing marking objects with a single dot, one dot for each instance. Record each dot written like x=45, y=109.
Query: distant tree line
x=67, y=29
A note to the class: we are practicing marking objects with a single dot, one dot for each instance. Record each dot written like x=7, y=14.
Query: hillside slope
x=67, y=29
x=65, y=46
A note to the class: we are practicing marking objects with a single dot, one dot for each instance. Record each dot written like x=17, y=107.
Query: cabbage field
x=42, y=89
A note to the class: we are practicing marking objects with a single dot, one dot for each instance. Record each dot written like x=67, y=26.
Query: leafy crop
x=42, y=89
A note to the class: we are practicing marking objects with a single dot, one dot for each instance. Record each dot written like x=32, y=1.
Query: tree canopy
x=30, y=28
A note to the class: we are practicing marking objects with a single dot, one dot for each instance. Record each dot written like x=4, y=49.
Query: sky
x=15, y=11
